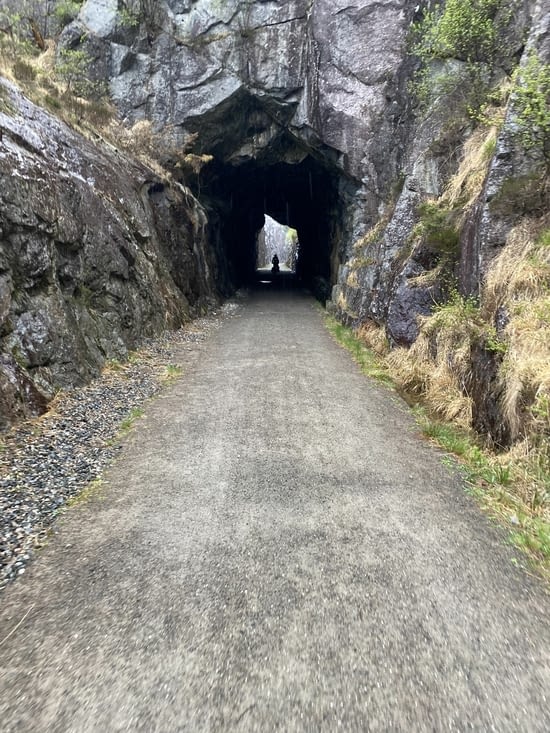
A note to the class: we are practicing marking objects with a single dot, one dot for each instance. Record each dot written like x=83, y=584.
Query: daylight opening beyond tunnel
x=305, y=198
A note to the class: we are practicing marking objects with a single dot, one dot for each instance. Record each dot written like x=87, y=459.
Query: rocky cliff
x=96, y=253
x=303, y=110
x=300, y=103
x=306, y=108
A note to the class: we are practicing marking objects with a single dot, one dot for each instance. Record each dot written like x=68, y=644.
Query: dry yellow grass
x=518, y=284
x=436, y=369
x=374, y=337
x=466, y=185
x=437, y=366
x=352, y=280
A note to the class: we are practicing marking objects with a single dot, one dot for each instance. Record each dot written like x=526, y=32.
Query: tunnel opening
x=276, y=240
x=305, y=193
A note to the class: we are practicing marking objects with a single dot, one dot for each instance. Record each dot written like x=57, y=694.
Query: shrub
x=532, y=104
x=128, y=18
x=466, y=37
x=459, y=29
x=14, y=40
x=73, y=68
x=23, y=71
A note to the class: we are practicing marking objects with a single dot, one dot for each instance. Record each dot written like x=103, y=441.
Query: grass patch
x=368, y=361
x=512, y=487
x=496, y=482
x=127, y=424
x=436, y=368
x=172, y=373
x=518, y=284
x=91, y=491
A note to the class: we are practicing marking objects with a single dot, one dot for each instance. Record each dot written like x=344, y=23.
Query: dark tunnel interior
x=303, y=195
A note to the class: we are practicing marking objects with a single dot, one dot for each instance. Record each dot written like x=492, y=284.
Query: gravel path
x=48, y=461
x=275, y=548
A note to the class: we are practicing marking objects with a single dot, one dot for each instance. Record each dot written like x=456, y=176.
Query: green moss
x=91, y=491
x=20, y=358
x=437, y=228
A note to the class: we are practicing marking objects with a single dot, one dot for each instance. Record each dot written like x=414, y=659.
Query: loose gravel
x=48, y=461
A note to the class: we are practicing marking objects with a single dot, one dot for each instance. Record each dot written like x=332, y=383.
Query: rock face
x=95, y=254
x=318, y=86
x=323, y=69
x=382, y=280
x=298, y=109
x=300, y=103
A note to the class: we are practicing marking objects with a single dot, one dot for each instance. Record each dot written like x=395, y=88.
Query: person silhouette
x=275, y=263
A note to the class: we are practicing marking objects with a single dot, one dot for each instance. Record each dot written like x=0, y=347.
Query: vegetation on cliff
x=481, y=361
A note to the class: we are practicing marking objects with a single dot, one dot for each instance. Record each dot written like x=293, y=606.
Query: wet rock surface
x=96, y=253
x=315, y=83
x=322, y=69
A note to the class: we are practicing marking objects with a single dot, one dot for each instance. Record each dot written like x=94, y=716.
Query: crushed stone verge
x=46, y=462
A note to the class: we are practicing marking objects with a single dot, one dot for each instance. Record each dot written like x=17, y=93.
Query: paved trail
x=276, y=549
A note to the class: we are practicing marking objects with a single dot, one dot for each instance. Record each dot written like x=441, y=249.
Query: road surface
x=276, y=549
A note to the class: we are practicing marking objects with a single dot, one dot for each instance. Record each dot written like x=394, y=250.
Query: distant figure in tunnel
x=275, y=263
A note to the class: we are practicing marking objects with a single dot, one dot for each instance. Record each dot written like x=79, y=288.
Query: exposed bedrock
x=282, y=92
x=300, y=103
x=96, y=253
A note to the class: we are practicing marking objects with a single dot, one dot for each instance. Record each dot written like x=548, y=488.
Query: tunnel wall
x=305, y=196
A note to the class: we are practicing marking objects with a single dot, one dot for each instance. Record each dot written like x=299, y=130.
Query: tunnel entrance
x=305, y=195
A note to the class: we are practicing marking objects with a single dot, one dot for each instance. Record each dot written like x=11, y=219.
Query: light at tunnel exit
x=276, y=239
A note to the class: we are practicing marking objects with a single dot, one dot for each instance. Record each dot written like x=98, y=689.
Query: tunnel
x=300, y=186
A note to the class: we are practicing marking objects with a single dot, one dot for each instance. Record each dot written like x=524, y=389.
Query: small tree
x=468, y=31
x=459, y=29
x=14, y=36
x=73, y=68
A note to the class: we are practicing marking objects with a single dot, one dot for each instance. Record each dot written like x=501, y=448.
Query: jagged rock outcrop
x=382, y=280
x=325, y=70
x=267, y=84
x=96, y=253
